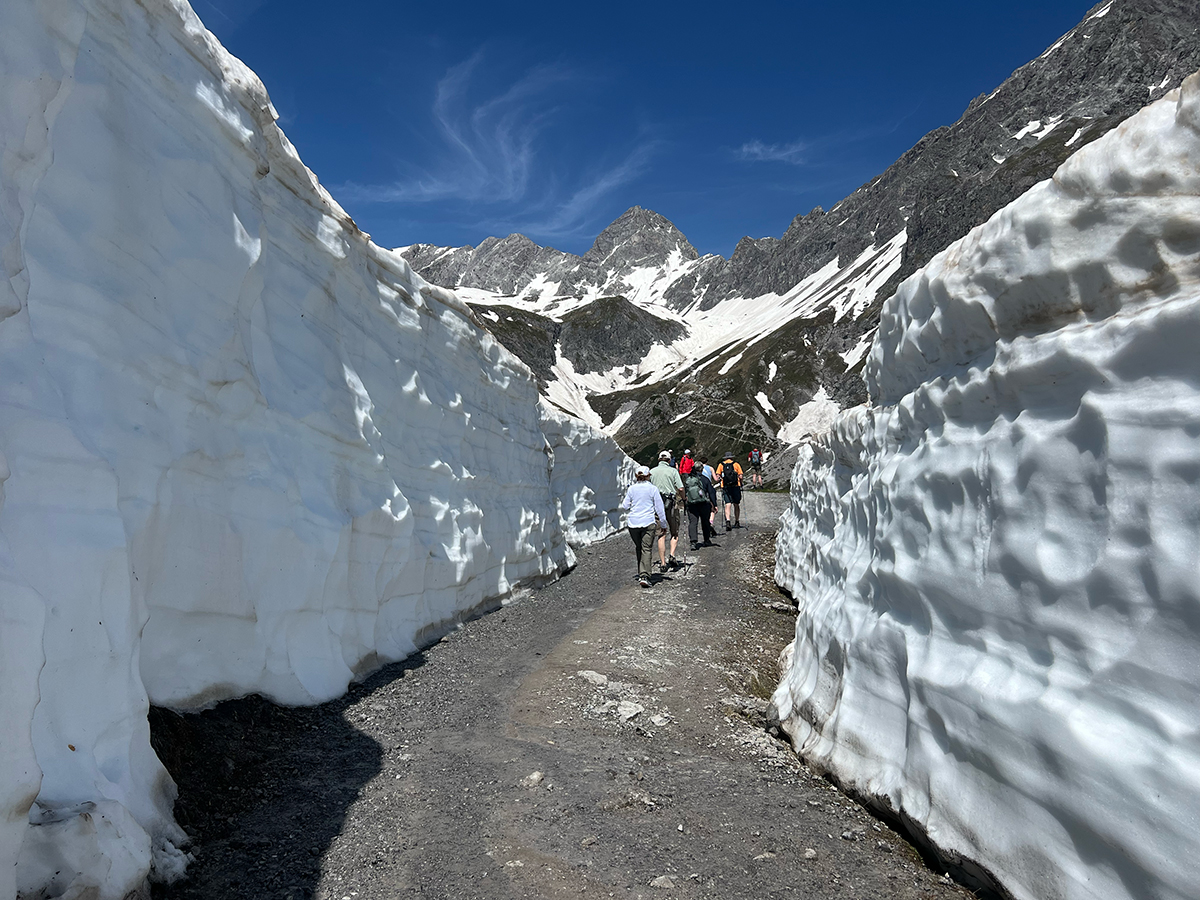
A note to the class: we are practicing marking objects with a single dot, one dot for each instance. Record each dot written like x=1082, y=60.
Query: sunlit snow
x=992, y=562
x=242, y=449
x=813, y=418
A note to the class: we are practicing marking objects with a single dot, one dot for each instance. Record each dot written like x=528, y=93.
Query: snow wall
x=998, y=561
x=242, y=449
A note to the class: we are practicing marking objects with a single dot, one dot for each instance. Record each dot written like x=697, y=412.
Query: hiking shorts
x=733, y=494
x=672, y=509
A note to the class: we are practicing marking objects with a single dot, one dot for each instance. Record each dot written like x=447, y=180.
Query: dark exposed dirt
x=590, y=739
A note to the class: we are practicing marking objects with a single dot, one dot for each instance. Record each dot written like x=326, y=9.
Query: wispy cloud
x=570, y=216
x=500, y=153
x=757, y=151
x=815, y=151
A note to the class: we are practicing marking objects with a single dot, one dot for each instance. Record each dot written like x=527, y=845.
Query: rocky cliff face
x=640, y=240
x=1122, y=55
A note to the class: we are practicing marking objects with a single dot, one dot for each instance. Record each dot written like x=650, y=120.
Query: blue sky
x=444, y=124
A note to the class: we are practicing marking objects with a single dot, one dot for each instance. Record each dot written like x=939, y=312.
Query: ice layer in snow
x=242, y=449
x=996, y=563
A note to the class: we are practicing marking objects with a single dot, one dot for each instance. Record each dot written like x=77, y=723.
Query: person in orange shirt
x=729, y=474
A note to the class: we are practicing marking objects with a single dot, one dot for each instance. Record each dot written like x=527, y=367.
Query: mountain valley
x=752, y=349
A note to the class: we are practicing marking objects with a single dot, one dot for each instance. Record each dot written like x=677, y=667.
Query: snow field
x=996, y=562
x=242, y=449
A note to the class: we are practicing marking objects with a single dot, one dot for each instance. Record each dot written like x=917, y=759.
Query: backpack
x=695, y=489
x=729, y=475
x=755, y=457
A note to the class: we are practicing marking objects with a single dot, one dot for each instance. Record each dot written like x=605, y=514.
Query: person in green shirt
x=670, y=485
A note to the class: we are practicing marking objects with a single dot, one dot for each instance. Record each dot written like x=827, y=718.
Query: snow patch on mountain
x=995, y=563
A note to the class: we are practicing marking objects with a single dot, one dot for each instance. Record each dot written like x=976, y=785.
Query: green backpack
x=695, y=489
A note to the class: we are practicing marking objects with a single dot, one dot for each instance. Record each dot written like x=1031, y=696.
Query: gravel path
x=590, y=739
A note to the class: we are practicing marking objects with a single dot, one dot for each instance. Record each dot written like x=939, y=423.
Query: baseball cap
x=666, y=454
x=643, y=472
x=687, y=452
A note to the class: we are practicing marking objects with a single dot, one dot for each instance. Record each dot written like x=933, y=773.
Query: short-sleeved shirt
x=667, y=480
x=721, y=473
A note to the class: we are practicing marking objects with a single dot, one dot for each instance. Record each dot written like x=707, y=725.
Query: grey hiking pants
x=643, y=542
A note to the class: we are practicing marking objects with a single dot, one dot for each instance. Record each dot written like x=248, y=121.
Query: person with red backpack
x=729, y=474
x=755, y=458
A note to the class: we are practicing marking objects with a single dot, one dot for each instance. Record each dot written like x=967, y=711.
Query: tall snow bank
x=997, y=564
x=582, y=483
x=242, y=449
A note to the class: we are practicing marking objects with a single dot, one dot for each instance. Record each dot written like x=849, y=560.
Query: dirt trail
x=590, y=739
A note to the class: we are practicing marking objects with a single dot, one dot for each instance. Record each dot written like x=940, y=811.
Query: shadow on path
x=264, y=789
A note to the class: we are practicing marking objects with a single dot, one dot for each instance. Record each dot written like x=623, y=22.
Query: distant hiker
x=700, y=496
x=729, y=474
x=685, y=464
x=645, y=507
x=756, y=460
x=670, y=486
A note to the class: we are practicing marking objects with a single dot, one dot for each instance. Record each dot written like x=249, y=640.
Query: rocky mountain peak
x=638, y=237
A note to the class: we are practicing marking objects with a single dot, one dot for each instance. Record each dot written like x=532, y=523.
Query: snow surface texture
x=996, y=563
x=242, y=449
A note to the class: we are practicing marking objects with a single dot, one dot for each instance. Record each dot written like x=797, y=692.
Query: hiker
x=701, y=497
x=756, y=460
x=729, y=474
x=645, y=507
x=670, y=486
x=685, y=464
x=711, y=475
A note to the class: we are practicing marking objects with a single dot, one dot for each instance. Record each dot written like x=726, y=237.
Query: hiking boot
x=644, y=581
x=673, y=563
x=695, y=546
x=728, y=528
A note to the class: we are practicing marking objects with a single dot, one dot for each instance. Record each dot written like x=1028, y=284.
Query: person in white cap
x=645, y=507
x=670, y=485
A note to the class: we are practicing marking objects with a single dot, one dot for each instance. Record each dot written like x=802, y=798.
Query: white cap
x=666, y=454
x=687, y=452
x=643, y=472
